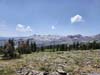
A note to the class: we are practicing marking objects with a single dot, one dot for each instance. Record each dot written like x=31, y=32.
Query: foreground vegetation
x=73, y=62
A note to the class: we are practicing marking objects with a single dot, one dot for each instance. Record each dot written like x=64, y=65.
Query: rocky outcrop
x=28, y=71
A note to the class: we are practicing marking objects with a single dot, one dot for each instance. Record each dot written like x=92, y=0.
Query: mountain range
x=54, y=39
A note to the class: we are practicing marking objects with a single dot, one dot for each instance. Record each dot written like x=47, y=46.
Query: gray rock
x=61, y=72
x=41, y=73
x=94, y=74
x=54, y=73
x=46, y=73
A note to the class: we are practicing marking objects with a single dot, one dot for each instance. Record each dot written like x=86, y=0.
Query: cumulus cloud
x=53, y=27
x=28, y=28
x=76, y=18
x=22, y=28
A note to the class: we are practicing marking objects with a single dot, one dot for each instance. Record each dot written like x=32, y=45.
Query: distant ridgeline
x=45, y=40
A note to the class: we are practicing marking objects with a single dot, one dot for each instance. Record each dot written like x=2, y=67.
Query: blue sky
x=56, y=17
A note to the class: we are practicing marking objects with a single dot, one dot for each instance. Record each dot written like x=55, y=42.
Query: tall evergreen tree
x=9, y=50
x=34, y=47
x=42, y=48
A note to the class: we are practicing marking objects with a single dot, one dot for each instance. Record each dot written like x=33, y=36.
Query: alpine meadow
x=49, y=37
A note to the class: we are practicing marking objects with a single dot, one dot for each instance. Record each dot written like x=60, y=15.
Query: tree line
x=11, y=50
x=75, y=46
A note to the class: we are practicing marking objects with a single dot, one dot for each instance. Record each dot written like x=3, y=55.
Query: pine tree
x=9, y=50
x=77, y=46
x=57, y=47
x=42, y=48
x=94, y=44
x=28, y=47
x=34, y=47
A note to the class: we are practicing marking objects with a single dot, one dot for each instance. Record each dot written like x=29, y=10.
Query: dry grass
x=70, y=61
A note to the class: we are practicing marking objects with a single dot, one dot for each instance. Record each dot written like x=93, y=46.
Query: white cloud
x=76, y=18
x=28, y=28
x=53, y=27
x=22, y=28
